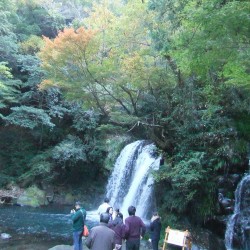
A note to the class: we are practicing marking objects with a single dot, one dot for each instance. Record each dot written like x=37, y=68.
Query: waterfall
x=131, y=182
x=237, y=234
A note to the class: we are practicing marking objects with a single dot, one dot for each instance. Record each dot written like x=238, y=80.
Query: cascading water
x=238, y=228
x=131, y=182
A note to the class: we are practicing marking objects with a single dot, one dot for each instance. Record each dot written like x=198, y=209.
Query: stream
x=51, y=220
x=45, y=227
x=38, y=228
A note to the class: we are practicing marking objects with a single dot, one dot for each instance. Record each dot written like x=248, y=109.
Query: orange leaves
x=69, y=37
x=66, y=57
x=67, y=45
x=46, y=84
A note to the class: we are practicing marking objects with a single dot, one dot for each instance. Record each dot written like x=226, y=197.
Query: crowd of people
x=112, y=231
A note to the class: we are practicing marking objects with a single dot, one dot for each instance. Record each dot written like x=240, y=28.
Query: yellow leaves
x=133, y=63
x=68, y=45
x=46, y=84
x=101, y=17
x=138, y=68
x=65, y=59
x=69, y=38
x=32, y=45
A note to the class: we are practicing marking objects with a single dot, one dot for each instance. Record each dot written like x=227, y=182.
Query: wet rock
x=226, y=204
x=32, y=196
x=61, y=247
x=217, y=224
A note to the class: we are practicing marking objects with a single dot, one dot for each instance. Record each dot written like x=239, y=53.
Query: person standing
x=104, y=206
x=134, y=230
x=155, y=230
x=101, y=237
x=110, y=212
x=78, y=216
x=118, y=227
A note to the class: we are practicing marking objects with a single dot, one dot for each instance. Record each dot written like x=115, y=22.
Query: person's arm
x=113, y=242
x=99, y=209
x=89, y=240
x=143, y=228
x=75, y=216
x=84, y=215
x=126, y=229
x=151, y=226
x=123, y=231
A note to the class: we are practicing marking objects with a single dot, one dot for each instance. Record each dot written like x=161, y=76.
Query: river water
x=38, y=228
x=53, y=220
x=45, y=227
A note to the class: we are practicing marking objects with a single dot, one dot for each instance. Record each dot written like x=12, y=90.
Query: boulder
x=61, y=247
x=32, y=196
x=5, y=236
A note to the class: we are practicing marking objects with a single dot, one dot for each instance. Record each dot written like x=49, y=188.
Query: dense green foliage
x=172, y=71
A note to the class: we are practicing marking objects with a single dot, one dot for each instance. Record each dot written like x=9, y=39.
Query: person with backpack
x=78, y=216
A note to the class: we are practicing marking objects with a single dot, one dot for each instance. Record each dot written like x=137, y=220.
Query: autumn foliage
x=68, y=48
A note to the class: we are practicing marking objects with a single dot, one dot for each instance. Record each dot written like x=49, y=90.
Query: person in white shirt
x=103, y=207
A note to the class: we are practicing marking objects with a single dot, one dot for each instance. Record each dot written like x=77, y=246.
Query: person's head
x=131, y=210
x=109, y=210
x=119, y=215
x=155, y=213
x=106, y=200
x=77, y=204
x=116, y=211
x=104, y=218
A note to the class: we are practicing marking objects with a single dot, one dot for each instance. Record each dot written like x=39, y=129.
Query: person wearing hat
x=78, y=216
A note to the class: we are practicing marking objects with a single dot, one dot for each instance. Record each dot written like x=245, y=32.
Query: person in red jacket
x=134, y=230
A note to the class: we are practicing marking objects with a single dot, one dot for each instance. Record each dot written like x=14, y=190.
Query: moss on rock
x=33, y=197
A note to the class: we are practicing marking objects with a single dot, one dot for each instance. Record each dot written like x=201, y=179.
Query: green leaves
x=9, y=89
x=28, y=117
x=39, y=167
x=71, y=149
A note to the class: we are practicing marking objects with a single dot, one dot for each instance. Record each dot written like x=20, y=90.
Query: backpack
x=85, y=231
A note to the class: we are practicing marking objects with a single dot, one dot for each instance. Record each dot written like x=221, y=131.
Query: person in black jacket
x=155, y=230
x=118, y=227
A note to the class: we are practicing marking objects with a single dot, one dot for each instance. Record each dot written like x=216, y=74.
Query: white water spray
x=131, y=182
x=240, y=216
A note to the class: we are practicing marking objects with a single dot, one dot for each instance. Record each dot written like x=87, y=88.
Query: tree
x=9, y=89
x=110, y=62
x=28, y=117
x=198, y=114
x=212, y=42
